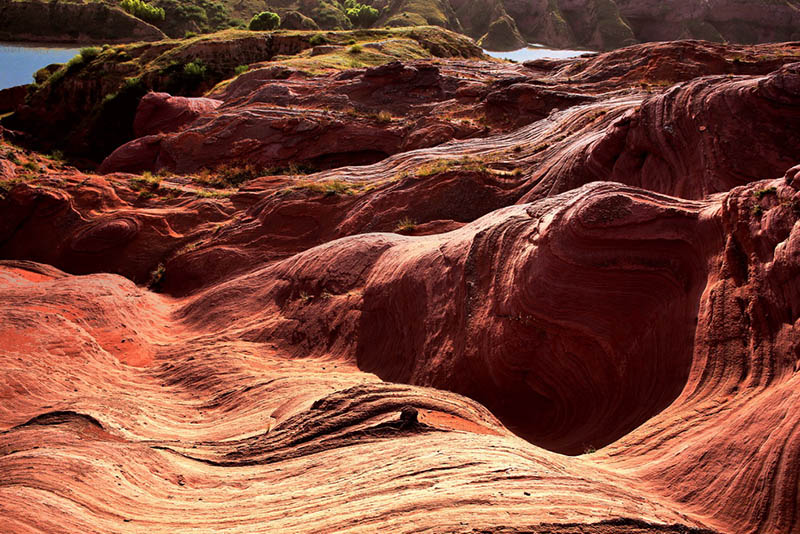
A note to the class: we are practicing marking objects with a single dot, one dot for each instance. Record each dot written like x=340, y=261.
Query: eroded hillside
x=494, y=24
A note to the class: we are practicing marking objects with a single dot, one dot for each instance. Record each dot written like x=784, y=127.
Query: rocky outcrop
x=502, y=35
x=493, y=321
x=597, y=24
x=72, y=22
x=270, y=139
x=200, y=423
x=260, y=122
x=88, y=108
x=737, y=21
x=599, y=302
x=294, y=20
x=12, y=98
x=677, y=142
x=497, y=24
x=607, y=24
x=160, y=112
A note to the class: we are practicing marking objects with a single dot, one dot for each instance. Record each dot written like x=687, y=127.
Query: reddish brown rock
x=455, y=310
x=328, y=344
x=737, y=21
x=12, y=97
x=273, y=138
x=260, y=121
x=7, y=170
x=160, y=112
x=660, y=64
x=687, y=141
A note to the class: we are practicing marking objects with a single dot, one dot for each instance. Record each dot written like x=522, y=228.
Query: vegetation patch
x=143, y=10
x=7, y=185
x=264, y=21
x=145, y=182
x=318, y=39
x=230, y=175
x=444, y=165
x=90, y=53
x=329, y=187
x=195, y=70
x=384, y=117
x=360, y=15
x=761, y=193
x=214, y=194
x=156, y=277
x=32, y=166
x=405, y=225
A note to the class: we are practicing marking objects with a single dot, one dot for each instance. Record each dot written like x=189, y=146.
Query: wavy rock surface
x=578, y=320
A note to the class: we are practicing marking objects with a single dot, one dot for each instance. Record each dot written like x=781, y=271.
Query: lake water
x=18, y=61
x=537, y=52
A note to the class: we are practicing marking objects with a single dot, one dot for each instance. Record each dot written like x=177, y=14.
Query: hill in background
x=495, y=24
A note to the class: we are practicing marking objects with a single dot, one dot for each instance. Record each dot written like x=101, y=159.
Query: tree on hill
x=143, y=10
x=266, y=20
x=360, y=15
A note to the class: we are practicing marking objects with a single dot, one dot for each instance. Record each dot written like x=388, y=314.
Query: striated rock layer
x=577, y=319
x=263, y=376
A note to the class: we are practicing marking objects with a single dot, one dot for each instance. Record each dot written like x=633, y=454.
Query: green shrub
x=355, y=49
x=156, y=277
x=189, y=35
x=75, y=62
x=143, y=10
x=90, y=53
x=229, y=175
x=360, y=15
x=241, y=69
x=761, y=193
x=203, y=15
x=317, y=39
x=330, y=16
x=266, y=20
x=57, y=75
x=132, y=83
x=195, y=70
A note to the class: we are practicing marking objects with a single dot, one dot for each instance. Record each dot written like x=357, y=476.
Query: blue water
x=537, y=52
x=18, y=61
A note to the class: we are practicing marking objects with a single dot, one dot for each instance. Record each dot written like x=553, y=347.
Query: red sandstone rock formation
x=617, y=282
x=160, y=112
